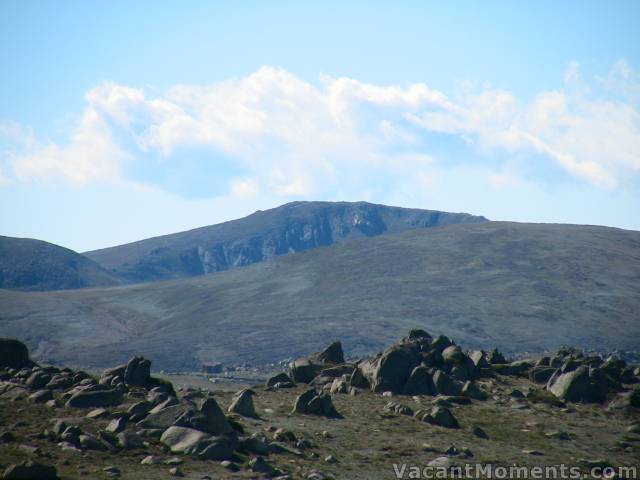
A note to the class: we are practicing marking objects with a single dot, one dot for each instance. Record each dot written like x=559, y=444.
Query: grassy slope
x=518, y=286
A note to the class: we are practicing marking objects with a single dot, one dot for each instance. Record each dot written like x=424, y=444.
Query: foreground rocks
x=436, y=388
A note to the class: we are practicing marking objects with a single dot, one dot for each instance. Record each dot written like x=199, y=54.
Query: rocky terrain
x=520, y=287
x=28, y=264
x=423, y=401
x=264, y=235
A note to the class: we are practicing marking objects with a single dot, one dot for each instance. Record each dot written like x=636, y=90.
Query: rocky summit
x=422, y=401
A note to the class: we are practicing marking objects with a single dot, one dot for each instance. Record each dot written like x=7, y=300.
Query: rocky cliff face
x=293, y=227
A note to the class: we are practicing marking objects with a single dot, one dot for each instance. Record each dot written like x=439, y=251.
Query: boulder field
x=428, y=379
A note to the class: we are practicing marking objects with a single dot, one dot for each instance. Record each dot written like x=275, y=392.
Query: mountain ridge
x=263, y=235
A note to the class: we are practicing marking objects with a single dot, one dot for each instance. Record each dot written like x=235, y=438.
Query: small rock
x=176, y=472
x=532, y=452
x=558, y=434
x=129, y=440
x=98, y=413
x=260, y=465
x=330, y=459
x=41, y=396
x=150, y=460
x=242, y=403
x=442, y=417
x=232, y=467
x=116, y=425
x=479, y=432
x=112, y=471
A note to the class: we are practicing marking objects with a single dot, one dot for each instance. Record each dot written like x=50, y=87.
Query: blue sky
x=120, y=121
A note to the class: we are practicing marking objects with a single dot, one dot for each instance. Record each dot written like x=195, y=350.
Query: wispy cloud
x=294, y=138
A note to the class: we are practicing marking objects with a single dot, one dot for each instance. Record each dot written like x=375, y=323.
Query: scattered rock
x=197, y=443
x=260, y=465
x=112, y=471
x=281, y=380
x=129, y=440
x=471, y=390
x=532, y=452
x=150, y=460
x=228, y=465
x=419, y=382
x=137, y=372
x=442, y=417
x=176, y=472
x=576, y=386
x=558, y=434
x=116, y=425
x=98, y=413
x=479, y=432
x=315, y=403
x=242, y=403
x=41, y=396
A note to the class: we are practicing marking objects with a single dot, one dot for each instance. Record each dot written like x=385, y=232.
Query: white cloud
x=294, y=138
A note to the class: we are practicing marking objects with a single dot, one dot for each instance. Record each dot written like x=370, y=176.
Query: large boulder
x=95, y=399
x=242, y=403
x=541, y=373
x=331, y=355
x=479, y=359
x=304, y=370
x=442, y=417
x=577, y=386
x=194, y=442
x=37, y=380
x=208, y=418
x=164, y=417
x=312, y=402
x=445, y=385
x=14, y=354
x=137, y=372
x=495, y=357
x=391, y=370
x=30, y=470
x=419, y=382
x=627, y=401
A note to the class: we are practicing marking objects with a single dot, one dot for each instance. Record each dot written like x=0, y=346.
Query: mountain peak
x=263, y=235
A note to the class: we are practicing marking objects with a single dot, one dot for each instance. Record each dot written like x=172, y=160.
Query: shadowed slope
x=29, y=264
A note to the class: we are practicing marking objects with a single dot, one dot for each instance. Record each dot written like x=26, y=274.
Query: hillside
x=293, y=227
x=521, y=287
x=29, y=264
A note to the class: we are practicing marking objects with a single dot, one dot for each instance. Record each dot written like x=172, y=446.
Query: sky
x=125, y=120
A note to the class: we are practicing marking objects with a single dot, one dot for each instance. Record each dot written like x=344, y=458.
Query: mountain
x=29, y=264
x=293, y=227
x=521, y=287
